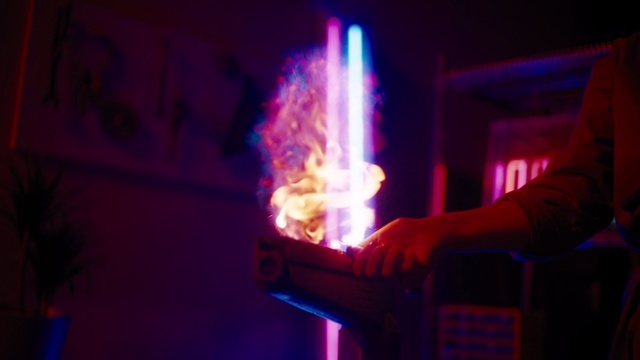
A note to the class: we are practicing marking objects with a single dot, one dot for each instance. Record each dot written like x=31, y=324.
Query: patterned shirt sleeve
x=572, y=199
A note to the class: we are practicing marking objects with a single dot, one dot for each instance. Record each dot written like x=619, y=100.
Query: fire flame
x=308, y=170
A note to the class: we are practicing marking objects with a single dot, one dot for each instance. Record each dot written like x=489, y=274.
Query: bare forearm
x=502, y=226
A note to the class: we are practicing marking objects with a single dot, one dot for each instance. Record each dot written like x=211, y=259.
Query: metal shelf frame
x=552, y=80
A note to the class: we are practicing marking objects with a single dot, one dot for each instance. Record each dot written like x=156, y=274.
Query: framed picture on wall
x=105, y=89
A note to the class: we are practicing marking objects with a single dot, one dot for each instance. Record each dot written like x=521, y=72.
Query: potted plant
x=49, y=248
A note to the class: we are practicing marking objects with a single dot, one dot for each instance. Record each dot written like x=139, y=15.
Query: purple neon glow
x=333, y=120
x=333, y=139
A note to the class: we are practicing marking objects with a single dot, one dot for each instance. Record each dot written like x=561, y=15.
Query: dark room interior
x=166, y=184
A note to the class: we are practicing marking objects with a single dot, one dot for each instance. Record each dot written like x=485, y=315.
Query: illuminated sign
x=516, y=173
x=519, y=150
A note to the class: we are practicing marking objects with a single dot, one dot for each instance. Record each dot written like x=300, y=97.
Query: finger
x=361, y=259
x=371, y=239
x=391, y=261
x=374, y=263
x=410, y=259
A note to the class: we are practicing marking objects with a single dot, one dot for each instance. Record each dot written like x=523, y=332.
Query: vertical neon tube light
x=333, y=139
x=355, y=120
x=356, y=134
x=333, y=120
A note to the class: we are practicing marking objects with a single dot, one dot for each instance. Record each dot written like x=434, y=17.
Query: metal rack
x=551, y=77
x=553, y=82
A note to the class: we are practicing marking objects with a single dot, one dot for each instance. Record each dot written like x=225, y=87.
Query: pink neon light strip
x=333, y=131
x=498, y=181
x=333, y=110
x=333, y=331
x=23, y=66
x=515, y=167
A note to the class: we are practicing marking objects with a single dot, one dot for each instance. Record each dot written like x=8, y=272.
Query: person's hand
x=403, y=244
x=406, y=244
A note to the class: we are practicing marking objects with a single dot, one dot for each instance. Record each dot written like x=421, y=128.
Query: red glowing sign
x=515, y=174
x=520, y=149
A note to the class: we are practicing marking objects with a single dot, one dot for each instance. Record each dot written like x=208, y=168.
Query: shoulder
x=625, y=55
x=620, y=51
x=627, y=44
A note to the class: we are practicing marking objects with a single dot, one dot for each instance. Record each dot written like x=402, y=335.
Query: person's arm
x=572, y=199
x=409, y=243
x=546, y=218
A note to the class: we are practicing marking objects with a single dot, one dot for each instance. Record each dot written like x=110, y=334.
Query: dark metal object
x=320, y=280
x=550, y=80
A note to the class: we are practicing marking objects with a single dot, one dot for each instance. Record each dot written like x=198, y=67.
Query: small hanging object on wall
x=119, y=121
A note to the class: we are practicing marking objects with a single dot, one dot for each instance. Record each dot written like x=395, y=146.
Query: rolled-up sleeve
x=572, y=199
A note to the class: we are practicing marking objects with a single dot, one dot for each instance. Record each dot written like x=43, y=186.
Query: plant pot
x=32, y=337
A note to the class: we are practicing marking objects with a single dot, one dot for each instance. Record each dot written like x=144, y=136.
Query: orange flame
x=307, y=174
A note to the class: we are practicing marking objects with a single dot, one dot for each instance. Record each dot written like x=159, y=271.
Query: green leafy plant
x=50, y=244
